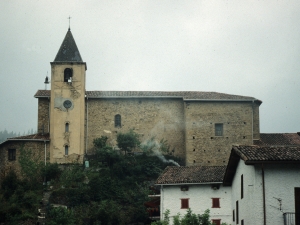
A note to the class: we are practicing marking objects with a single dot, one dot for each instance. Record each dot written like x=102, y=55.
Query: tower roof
x=68, y=51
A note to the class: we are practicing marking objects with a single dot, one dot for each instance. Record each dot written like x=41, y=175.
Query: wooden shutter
x=215, y=203
x=184, y=203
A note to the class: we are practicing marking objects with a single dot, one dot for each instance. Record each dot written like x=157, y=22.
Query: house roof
x=68, y=51
x=191, y=175
x=278, y=139
x=186, y=95
x=259, y=155
x=31, y=137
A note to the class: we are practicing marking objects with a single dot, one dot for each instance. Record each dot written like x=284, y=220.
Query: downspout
x=87, y=124
x=45, y=179
x=264, y=194
x=252, y=119
x=45, y=153
x=161, y=202
x=49, y=116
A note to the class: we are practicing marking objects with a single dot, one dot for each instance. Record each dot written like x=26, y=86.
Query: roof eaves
x=198, y=183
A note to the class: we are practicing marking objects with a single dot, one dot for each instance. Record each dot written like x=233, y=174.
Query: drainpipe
x=252, y=119
x=49, y=116
x=45, y=179
x=161, y=202
x=87, y=124
x=264, y=194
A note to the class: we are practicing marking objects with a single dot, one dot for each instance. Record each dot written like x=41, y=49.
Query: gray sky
x=249, y=48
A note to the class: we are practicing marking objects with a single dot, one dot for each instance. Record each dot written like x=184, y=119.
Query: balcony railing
x=290, y=218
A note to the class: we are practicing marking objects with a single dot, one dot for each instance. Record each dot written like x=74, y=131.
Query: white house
x=265, y=184
x=198, y=188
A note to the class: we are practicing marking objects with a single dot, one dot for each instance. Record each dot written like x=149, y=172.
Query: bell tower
x=67, y=110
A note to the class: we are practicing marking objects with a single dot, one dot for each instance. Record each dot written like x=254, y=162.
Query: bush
x=128, y=141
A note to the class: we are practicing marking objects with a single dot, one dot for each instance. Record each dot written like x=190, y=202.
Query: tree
x=128, y=141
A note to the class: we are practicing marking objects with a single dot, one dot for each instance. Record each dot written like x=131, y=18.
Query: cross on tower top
x=69, y=18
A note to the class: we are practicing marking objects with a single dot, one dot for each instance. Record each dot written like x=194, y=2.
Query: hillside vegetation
x=112, y=190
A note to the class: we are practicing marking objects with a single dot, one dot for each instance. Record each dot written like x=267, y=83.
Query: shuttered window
x=215, y=203
x=216, y=222
x=184, y=203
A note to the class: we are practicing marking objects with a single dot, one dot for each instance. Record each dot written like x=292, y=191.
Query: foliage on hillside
x=112, y=191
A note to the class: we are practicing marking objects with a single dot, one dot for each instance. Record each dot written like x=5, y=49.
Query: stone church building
x=200, y=127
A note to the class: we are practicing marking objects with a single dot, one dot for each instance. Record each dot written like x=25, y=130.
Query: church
x=199, y=127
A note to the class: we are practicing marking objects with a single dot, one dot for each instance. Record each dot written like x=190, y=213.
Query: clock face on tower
x=67, y=104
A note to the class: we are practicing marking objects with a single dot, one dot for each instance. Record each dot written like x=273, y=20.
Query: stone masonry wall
x=37, y=147
x=43, y=115
x=162, y=118
x=203, y=147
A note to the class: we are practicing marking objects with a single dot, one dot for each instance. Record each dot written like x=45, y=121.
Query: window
x=233, y=215
x=237, y=211
x=11, y=154
x=184, y=203
x=219, y=129
x=215, y=203
x=67, y=127
x=68, y=73
x=216, y=222
x=184, y=188
x=242, y=186
x=66, y=150
x=117, y=120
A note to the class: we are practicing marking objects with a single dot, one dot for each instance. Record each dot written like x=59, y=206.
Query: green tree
x=128, y=141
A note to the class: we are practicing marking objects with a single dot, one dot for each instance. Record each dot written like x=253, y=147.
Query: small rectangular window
x=11, y=154
x=117, y=120
x=184, y=188
x=215, y=203
x=184, y=203
x=233, y=215
x=237, y=211
x=216, y=222
x=219, y=129
x=67, y=127
x=66, y=150
x=242, y=186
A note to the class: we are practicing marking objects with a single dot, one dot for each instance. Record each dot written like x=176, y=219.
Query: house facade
x=198, y=188
x=265, y=184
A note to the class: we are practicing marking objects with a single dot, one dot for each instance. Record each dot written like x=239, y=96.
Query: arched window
x=66, y=150
x=117, y=120
x=67, y=127
x=68, y=73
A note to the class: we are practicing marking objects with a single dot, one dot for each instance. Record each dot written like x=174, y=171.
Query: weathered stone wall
x=74, y=116
x=162, y=118
x=37, y=148
x=203, y=147
x=43, y=115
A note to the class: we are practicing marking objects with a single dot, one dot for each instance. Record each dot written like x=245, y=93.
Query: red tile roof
x=191, y=174
x=186, y=95
x=259, y=155
x=278, y=139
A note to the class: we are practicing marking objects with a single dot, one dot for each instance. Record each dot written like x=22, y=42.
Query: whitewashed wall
x=251, y=205
x=280, y=181
x=200, y=199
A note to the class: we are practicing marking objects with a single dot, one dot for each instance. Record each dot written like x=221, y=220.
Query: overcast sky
x=249, y=48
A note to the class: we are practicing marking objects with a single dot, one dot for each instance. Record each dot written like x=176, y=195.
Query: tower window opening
x=67, y=127
x=117, y=120
x=68, y=74
x=66, y=150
